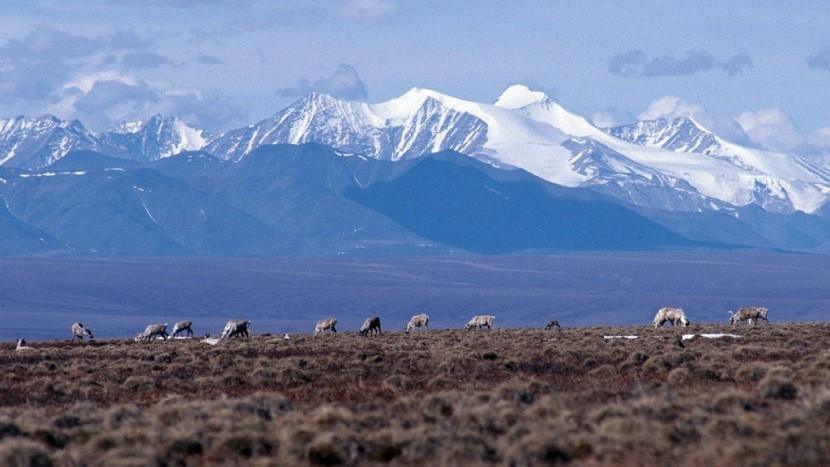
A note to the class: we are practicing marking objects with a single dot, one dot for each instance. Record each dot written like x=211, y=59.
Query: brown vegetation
x=508, y=397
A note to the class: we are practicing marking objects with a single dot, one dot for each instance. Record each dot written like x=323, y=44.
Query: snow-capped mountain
x=34, y=142
x=775, y=181
x=681, y=134
x=156, y=138
x=415, y=124
x=668, y=164
x=614, y=174
x=671, y=164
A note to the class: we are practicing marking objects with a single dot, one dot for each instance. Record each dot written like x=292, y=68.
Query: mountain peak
x=133, y=126
x=416, y=96
x=400, y=108
x=679, y=134
x=155, y=138
x=34, y=142
x=314, y=96
x=517, y=96
x=689, y=120
x=416, y=91
x=161, y=118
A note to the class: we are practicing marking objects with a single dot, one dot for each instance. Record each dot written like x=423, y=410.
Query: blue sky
x=756, y=71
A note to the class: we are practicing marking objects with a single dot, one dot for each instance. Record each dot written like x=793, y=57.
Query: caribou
x=371, y=327
x=751, y=314
x=79, y=331
x=417, y=321
x=182, y=326
x=480, y=321
x=671, y=315
x=151, y=332
x=236, y=328
x=553, y=324
x=326, y=325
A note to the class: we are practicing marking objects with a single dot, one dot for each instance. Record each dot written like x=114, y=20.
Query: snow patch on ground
x=149, y=214
x=686, y=337
x=51, y=174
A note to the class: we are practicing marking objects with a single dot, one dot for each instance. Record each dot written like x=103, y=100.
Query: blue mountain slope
x=135, y=212
x=464, y=207
x=311, y=200
x=83, y=160
x=298, y=190
x=19, y=238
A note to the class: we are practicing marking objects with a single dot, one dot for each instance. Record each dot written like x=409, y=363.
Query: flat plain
x=118, y=297
x=445, y=397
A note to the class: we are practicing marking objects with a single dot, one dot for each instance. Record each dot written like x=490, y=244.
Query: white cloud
x=344, y=83
x=85, y=82
x=611, y=117
x=604, y=120
x=93, y=78
x=771, y=128
x=671, y=107
x=637, y=63
x=107, y=98
x=36, y=64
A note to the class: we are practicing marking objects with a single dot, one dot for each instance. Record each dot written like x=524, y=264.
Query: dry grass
x=509, y=397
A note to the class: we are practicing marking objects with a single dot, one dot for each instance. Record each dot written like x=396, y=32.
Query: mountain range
x=35, y=143
x=424, y=173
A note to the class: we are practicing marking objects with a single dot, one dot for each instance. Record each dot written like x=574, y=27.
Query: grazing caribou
x=480, y=321
x=417, y=321
x=236, y=328
x=750, y=314
x=553, y=324
x=371, y=327
x=79, y=331
x=151, y=332
x=182, y=326
x=670, y=315
x=326, y=325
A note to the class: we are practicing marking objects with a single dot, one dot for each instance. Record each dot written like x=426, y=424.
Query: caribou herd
x=234, y=328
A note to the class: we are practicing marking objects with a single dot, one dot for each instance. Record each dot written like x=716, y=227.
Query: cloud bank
x=93, y=78
x=637, y=63
x=344, y=83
